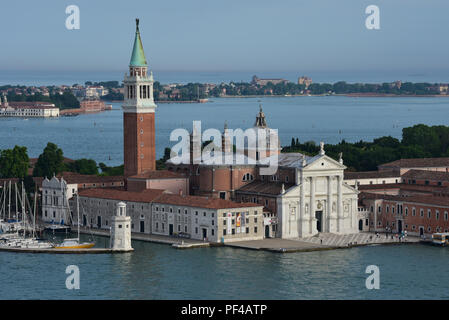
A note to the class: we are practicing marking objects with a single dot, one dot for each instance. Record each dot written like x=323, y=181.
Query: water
x=156, y=271
x=161, y=272
x=329, y=119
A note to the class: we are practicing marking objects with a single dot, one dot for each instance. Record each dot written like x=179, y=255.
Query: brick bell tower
x=138, y=113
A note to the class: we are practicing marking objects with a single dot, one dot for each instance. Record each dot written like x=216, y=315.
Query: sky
x=231, y=35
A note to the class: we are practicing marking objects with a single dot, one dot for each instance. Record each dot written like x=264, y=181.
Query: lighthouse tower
x=138, y=113
x=121, y=230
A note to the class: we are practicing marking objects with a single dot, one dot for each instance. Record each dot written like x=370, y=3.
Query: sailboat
x=14, y=240
x=74, y=243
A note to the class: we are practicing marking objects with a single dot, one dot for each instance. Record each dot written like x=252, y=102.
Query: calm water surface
x=155, y=271
x=329, y=119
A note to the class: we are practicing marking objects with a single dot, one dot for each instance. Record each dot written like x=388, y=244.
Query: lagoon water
x=156, y=271
x=160, y=272
x=329, y=119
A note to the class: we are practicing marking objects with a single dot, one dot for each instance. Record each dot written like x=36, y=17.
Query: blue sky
x=231, y=35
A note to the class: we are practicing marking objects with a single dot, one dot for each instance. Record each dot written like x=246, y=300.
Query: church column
x=340, y=203
x=312, y=204
x=329, y=203
x=302, y=204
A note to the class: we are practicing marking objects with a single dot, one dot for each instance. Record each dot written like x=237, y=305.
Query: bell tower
x=138, y=113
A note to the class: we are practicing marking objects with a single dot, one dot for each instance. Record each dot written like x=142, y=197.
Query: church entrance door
x=319, y=217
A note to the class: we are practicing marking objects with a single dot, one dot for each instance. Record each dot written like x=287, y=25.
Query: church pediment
x=323, y=162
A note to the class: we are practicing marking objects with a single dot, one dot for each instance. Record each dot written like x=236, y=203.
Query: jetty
x=64, y=251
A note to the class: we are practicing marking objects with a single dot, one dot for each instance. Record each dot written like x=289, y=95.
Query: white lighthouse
x=121, y=230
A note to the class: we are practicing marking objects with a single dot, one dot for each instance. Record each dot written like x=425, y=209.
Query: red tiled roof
x=158, y=174
x=370, y=174
x=426, y=175
x=73, y=177
x=418, y=163
x=263, y=187
x=202, y=202
x=160, y=196
x=421, y=199
x=402, y=186
x=147, y=195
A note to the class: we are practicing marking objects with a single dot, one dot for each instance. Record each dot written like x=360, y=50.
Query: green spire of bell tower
x=138, y=56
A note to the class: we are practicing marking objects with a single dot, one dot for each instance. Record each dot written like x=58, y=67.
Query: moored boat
x=74, y=244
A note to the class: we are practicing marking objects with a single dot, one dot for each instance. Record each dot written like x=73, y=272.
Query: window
x=255, y=229
x=196, y=230
x=248, y=177
x=429, y=213
x=224, y=232
x=413, y=211
x=437, y=215
x=445, y=215
x=233, y=231
x=421, y=212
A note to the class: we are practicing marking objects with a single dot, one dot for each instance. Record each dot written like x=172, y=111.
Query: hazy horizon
x=245, y=36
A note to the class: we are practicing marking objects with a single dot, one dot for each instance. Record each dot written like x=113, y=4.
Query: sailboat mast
x=16, y=208
x=9, y=202
x=4, y=200
x=78, y=213
x=34, y=209
x=23, y=211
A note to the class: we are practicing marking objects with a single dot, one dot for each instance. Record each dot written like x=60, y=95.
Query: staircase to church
x=339, y=240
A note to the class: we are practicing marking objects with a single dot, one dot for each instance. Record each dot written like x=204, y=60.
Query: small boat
x=54, y=228
x=440, y=239
x=74, y=244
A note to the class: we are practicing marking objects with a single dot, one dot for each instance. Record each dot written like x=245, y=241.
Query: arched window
x=248, y=177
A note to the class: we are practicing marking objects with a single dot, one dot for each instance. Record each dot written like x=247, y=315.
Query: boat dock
x=62, y=251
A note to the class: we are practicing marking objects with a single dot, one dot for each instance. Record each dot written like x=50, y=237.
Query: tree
x=83, y=166
x=50, y=162
x=14, y=163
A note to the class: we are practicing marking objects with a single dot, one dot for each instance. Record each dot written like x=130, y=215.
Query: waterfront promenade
x=322, y=241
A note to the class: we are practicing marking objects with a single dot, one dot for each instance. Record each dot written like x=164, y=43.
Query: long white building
x=27, y=109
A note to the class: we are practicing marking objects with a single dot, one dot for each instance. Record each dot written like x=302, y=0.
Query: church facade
x=306, y=196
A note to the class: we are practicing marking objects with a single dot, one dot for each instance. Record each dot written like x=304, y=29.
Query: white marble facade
x=320, y=201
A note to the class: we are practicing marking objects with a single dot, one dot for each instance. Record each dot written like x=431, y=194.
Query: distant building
x=305, y=81
x=28, y=109
x=264, y=82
